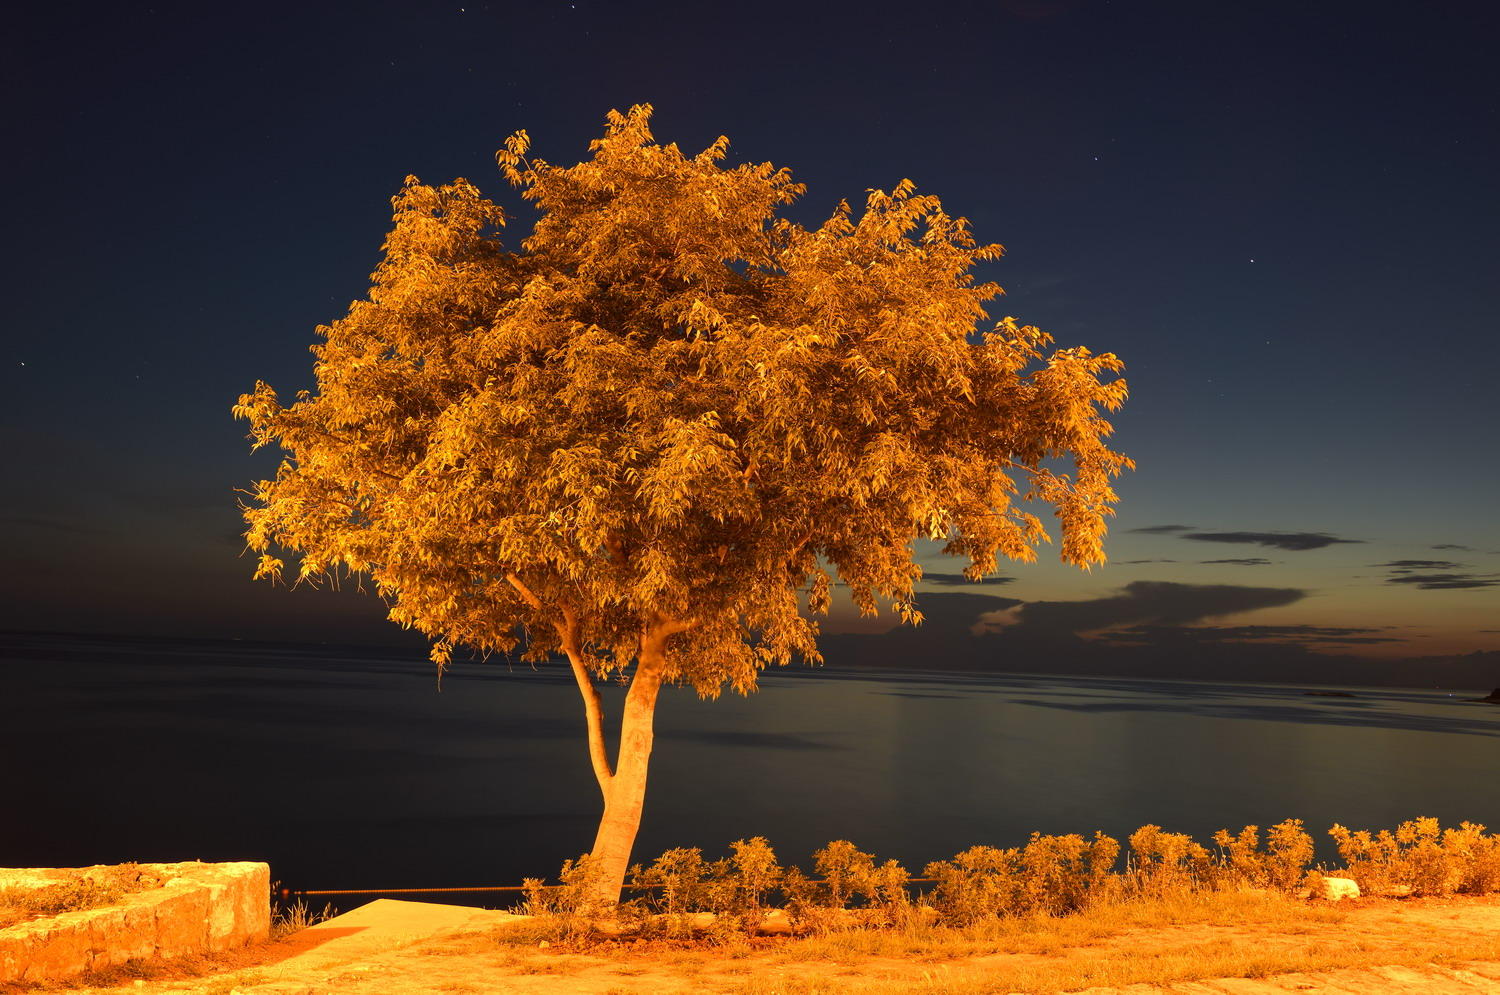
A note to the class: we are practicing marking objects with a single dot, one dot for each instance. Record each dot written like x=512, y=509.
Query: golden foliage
x=673, y=409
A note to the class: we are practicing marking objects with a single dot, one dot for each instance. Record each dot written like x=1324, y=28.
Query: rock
x=105, y=926
x=1335, y=889
x=1493, y=697
x=59, y=948
x=15, y=952
x=776, y=922
x=181, y=920
x=198, y=907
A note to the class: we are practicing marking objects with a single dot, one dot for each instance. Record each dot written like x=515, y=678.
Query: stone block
x=219, y=920
x=59, y=948
x=15, y=952
x=137, y=937
x=181, y=920
x=187, y=908
x=248, y=896
x=105, y=926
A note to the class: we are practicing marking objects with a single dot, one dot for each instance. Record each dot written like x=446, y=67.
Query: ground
x=1263, y=945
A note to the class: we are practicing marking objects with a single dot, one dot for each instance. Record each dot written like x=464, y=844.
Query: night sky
x=1282, y=216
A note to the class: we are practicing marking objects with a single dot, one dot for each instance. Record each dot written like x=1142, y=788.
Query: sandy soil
x=465, y=957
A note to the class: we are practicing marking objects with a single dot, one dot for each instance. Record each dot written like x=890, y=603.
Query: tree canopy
x=673, y=408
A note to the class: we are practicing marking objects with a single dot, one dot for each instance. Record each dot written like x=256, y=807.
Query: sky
x=1280, y=215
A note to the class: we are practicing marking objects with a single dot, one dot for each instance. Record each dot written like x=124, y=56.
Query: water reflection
x=347, y=771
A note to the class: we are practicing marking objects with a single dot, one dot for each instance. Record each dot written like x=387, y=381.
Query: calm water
x=354, y=771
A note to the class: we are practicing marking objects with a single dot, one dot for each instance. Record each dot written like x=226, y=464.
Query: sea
x=356, y=770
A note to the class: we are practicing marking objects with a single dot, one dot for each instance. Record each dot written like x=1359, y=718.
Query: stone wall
x=198, y=908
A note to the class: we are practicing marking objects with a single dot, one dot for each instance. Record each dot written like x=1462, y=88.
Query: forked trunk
x=625, y=798
x=625, y=789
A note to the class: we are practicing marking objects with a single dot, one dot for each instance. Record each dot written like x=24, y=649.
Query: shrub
x=1282, y=864
x=1050, y=875
x=851, y=878
x=680, y=882
x=1240, y=860
x=676, y=882
x=1163, y=862
x=843, y=868
x=1060, y=873
x=978, y=884
x=1477, y=857
x=565, y=900
x=754, y=875
x=1422, y=857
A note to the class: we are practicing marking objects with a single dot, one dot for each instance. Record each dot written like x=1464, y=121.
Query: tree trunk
x=624, y=788
x=625, y=796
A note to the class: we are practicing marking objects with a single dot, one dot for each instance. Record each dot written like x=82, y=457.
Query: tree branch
x=592, y=709
x=526, y=593
x=661, y=627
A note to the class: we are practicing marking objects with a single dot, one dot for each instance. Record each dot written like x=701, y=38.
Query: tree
x=651, y=439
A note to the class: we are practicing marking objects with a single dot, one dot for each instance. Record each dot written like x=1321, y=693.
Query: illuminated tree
x=650, y=440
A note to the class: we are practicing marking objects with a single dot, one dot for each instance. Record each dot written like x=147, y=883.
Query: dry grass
x=1108, y=966
x=1046, y=934
x=78, y=890
x=131, y=974
x=1178, y=937
x=1161, y=940
x=296, y=917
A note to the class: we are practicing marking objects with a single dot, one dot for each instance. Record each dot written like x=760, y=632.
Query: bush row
x=1049, y=875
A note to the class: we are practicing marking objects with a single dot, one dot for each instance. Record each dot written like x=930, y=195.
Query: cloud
x=1451, y=545
x=1406, y=566
x=959, y=580
x=1253, y=561
x=947, y=618
x=1131, y=562
x=1142, y=602
x=1444, y=582
x=1292, y=541
x=1406, y=572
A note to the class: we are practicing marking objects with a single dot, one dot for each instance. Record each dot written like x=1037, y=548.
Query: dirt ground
x=468, y=958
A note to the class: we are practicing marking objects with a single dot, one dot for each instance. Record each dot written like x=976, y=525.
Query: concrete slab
x=382, y=925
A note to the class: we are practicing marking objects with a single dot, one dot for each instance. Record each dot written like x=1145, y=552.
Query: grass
x=1107, y=966
x=1187, y=935
x=297, y=917
x=77, y=891
x=134, y=973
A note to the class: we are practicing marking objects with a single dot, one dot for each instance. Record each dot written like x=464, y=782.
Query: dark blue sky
x=1282, y=216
